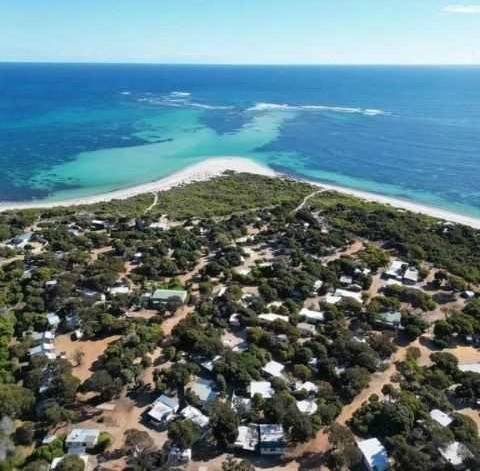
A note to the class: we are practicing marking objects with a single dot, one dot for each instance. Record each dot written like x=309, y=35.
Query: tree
x=71, y=463
x=24, y=434
x=231, y=464
x=224, y=423
x=183, y=433
x=15, y=400
x=137, y=441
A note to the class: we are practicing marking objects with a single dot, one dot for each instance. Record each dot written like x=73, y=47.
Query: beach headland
x=216, y=166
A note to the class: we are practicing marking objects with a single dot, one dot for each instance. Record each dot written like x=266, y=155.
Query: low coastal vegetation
x=244, y=315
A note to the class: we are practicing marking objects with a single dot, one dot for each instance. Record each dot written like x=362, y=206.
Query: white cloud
x=463, y=9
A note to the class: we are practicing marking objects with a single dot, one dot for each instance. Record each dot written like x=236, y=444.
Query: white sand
x=216, y=166
x=198, y=172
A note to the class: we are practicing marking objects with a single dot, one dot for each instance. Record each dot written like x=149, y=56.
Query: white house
x=307, y=329
x=270, y=317
x=307, y=406
x=440, y=417
x=375, y=456
x=247, y=438
x=203, y=388
x=274, y=369
x=264, y=388
x=193, y=414
x=163, y=410
x=313, y=317
x=79, y=440
x=344, y=293
x=53, y=320
x=307, y=386
x=455, y=454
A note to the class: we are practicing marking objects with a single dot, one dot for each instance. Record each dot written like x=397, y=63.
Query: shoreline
x=215, y=166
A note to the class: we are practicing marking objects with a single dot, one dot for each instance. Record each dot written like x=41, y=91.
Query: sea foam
x=259, y=107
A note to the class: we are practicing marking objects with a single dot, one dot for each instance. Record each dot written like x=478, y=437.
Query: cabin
x=389, y=320
x=80, y=440
x=312, y=317
x=204, y=389
x=455, y=454
x=163, y=410
x=263, y=388
x=193, y=414
x=307, y=406
x=274, y=369
x=247, y=438
x=440, y=417
x=162, y=296
x=374, y=455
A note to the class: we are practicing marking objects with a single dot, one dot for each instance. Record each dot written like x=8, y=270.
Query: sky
x=241, y=31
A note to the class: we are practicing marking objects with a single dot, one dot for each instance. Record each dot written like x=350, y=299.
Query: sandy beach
x=213, y=167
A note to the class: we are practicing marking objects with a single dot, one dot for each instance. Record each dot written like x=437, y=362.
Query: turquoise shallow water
x=78, y=130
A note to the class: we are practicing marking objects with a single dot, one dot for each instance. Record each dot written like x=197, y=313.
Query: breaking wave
x=337, y=109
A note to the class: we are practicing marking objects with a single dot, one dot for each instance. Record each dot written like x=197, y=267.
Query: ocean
x=71, y=130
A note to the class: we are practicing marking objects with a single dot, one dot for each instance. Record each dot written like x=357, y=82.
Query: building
x=411, y=276
x=193, y=414
x=345, y=293
x=44, y=349
x=263, y=388
x=307, y=386
x=307, y=406
x=270, y=317
x=163, y=410
x=248, y=437
x=307, y=329
x=312, y=317
x=80, y=440
x=179, y=456
x=203, y=388
x=440, y=417
x=455, y=454
x=470, y=367
x=274, y=369
x=396, y=270
x=162, y=296
x=272, y=439
x=374, y=455
x=121, y=289
x=390, y=320
x=22, y=240
x=53, y=320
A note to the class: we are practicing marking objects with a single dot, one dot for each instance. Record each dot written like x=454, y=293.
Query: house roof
x=307, y=386
x=307, y=328
x=166, y=294
x=374, y=453
x=82, y=435
x=470, y=367
x=264, y=388
x=271, y=433
x=307, y=406
x=310, y=315
x=393, y=317
x=273, y=368
x=193, y=414
x=455, y=453
x=163, y=406
x=247, y=438
x=345, y=293
x=440, y=417
x=270, y=317
x=203, y=388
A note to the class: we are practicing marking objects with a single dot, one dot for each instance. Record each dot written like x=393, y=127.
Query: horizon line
x=242, y=64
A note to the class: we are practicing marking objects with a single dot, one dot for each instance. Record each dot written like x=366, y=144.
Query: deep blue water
x=411, y=132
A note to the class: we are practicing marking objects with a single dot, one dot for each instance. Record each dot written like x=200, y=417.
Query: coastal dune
x=213, y=167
